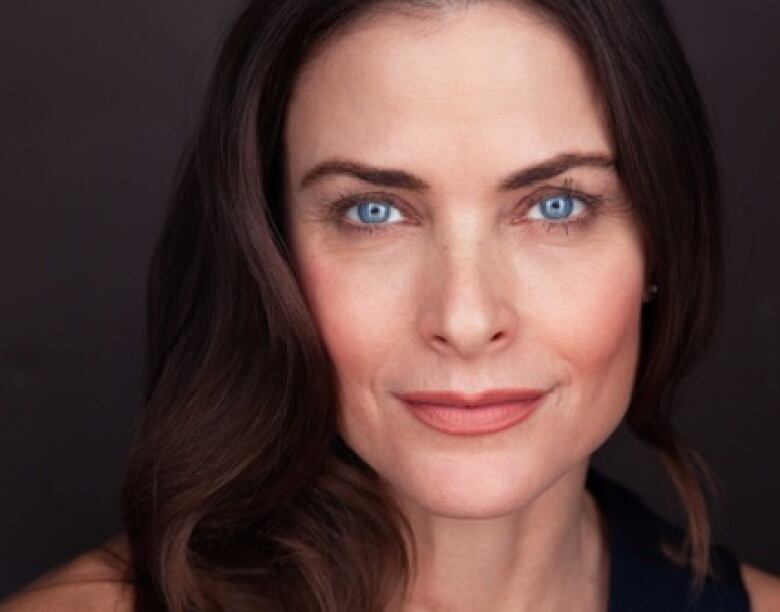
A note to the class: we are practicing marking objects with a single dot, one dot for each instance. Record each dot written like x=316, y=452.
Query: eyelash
x=569, y=189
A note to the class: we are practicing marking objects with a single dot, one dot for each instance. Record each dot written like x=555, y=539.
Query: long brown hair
x=239, y=493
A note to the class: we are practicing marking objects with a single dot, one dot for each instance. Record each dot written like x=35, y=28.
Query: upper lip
x=490, y=397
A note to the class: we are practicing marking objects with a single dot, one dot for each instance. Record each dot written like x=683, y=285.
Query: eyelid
x=568, y=190
x=571, y=189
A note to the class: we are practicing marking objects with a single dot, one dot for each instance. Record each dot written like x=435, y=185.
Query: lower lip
x=473, y=421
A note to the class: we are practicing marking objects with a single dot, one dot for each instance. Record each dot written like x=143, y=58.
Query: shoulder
x=95, y=580
x=762, y=587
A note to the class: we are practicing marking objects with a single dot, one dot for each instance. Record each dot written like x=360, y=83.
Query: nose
x=466, y=310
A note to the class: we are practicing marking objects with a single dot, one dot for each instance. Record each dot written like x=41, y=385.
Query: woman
x=424, y=258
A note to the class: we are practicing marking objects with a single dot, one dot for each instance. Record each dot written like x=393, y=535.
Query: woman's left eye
x=559, y=207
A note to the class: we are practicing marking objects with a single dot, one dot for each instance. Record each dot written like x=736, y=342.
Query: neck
x=544, y=556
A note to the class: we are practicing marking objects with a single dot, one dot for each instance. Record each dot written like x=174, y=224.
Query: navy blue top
x=641, y=579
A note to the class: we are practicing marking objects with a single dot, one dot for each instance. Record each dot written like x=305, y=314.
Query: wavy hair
x=239, y=493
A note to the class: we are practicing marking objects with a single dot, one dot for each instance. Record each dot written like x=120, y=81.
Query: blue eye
x=559, y=207
x=372, y=212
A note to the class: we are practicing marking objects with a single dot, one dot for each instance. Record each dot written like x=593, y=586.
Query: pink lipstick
x=463, y=414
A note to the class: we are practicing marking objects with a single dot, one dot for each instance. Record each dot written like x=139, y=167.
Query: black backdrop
x=96, y=100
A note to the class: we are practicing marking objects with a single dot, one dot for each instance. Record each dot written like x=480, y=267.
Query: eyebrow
x=390, y=177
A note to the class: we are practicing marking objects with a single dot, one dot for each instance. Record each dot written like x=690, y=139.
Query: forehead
x=451, y=90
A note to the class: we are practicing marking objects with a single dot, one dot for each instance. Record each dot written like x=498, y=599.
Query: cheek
x=361, y=315
x=599, y=323
x=592, y=327
x=359, y=310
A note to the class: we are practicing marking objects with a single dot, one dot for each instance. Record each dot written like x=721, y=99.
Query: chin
x=474, y=486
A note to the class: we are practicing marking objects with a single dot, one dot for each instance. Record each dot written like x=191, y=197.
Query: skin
x=464, y=288
x=462, y=298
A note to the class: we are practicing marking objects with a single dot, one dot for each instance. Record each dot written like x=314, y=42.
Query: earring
x=650, y=292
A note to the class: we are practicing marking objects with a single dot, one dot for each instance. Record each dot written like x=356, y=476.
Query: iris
x=371, y=212
x=557, y=207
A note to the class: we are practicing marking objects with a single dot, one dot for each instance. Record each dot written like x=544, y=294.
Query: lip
x=473, y=414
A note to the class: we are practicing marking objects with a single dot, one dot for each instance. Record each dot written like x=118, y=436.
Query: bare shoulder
x=762, y=587
x=95, y=580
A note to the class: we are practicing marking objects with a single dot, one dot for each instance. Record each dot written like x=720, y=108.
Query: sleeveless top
x=641, y=579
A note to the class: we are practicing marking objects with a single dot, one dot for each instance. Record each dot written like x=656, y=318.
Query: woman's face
x=439, y=274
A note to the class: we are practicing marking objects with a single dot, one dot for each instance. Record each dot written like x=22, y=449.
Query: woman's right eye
x=368, y=214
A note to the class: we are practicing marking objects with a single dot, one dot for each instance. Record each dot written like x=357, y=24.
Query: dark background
x=96, y=101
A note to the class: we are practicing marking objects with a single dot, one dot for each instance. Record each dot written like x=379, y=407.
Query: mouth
x=479, y=414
